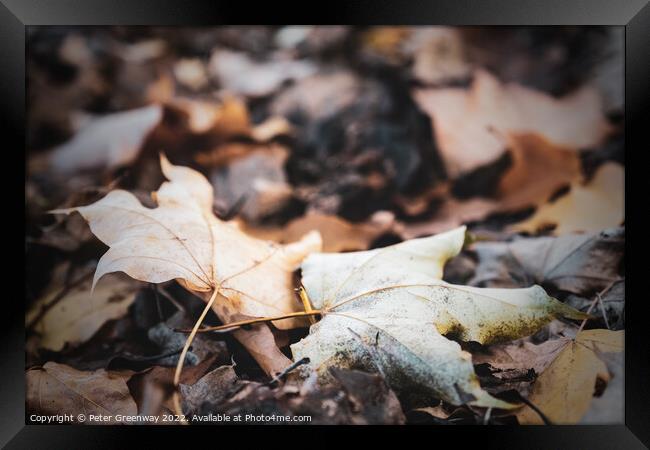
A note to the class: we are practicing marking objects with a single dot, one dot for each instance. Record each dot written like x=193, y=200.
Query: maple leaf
x=563, y=392
x=182, y=239
x=388, y=310
x=464, y=120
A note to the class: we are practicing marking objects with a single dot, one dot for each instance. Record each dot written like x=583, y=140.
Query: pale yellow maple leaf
x=564, y=391
x=388, y=310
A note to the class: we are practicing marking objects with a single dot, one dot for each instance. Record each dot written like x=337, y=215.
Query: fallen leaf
x=75, y=317
x=564, y=391
x=165, y=375
x=591, y=207
x=388, y=310
x=577, y=263
x=59, y=389
x=464, y=120
x=107, y=141
x=182, y=239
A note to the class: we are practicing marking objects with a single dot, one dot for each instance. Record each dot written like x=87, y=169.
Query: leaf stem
x=304, y=298
x=181, y=359
x=235, y=325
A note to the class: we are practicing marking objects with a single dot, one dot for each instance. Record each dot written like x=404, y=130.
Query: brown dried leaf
x=464, y=120
x=59, y=389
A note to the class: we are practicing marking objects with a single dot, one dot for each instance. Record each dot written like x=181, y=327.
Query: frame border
x=15, y=15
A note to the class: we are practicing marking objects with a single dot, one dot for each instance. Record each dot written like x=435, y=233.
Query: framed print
x=373, y=214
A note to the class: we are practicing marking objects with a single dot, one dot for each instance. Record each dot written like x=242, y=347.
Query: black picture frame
x=634, y=15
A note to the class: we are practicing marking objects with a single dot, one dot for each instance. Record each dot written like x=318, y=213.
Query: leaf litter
x=443, y=180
